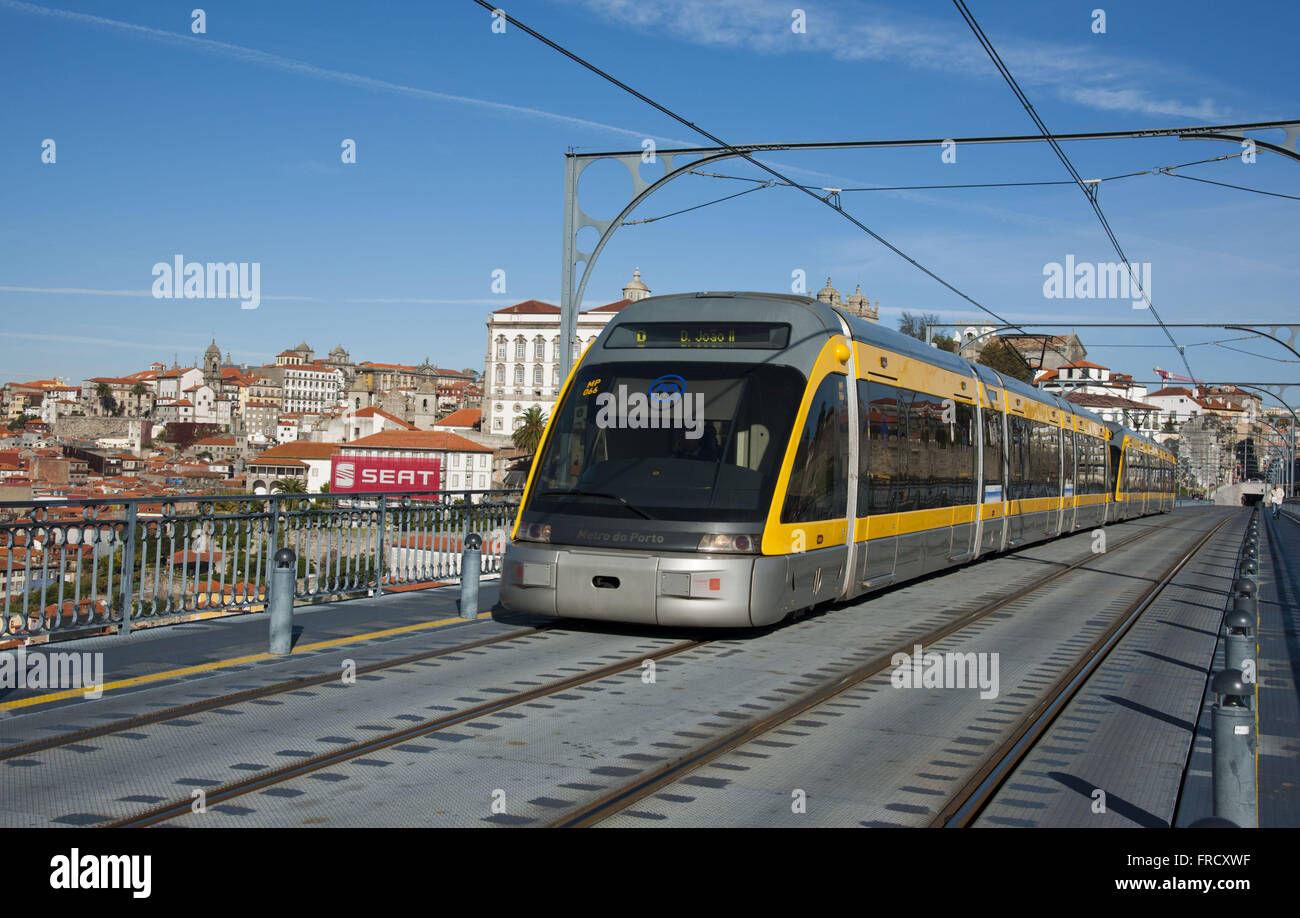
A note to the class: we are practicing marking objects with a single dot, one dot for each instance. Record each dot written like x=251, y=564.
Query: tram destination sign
x=359, y=474
x=722, y=335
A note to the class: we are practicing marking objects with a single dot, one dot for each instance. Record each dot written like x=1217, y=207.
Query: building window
x=539, y=348
x=501, y=375
x=501, y=349
x=519, y=376
x=520, y=347
x=537, y=375
x=496, y=424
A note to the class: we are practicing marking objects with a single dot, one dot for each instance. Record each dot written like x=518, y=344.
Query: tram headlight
x=535, y=532
x=725, y=541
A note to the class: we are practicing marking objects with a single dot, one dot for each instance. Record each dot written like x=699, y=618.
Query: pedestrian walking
x=1275, y=497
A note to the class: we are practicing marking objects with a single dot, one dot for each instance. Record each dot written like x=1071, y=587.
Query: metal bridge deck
x=870, y=756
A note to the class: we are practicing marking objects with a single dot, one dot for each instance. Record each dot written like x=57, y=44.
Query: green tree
x=1004, y=358
x=913, y=325
x=529, y=434
x=104, y=392
x=289, y=486
x=138, y=390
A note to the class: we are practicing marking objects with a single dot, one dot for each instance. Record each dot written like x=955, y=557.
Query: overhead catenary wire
x=747, y=157
x=1158, y=170
x=1192, y=178
x=687, y=210
x=1089, y=191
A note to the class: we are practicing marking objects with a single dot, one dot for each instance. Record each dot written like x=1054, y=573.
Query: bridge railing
x=77, y=567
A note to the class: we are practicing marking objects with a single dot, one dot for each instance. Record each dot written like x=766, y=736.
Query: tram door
x=1117, y=509
x=1018, y=476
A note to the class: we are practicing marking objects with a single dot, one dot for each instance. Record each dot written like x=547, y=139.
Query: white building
x=173, y=383
x=522, y=368
x=1175, y=403
x=301, y=460
x=355, y=425
x=464, y=465
x=312, y=387
x=1083, y=376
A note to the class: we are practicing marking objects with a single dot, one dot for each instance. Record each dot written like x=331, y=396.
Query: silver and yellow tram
x=726, y=459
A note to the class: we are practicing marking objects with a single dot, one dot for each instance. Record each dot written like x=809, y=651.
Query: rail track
x=962, y=807
x=226, y=792
x=247, y=695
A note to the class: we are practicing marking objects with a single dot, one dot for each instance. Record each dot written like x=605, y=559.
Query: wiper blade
x=621, y=500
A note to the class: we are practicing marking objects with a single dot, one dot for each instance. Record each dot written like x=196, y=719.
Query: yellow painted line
x=233, y=661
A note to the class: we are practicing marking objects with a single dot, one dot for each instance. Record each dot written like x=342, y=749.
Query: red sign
x=353, y=474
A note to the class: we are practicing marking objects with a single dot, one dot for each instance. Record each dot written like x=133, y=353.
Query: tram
x=728, y=459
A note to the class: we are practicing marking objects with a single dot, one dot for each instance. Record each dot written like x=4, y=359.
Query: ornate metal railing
x=77, y=567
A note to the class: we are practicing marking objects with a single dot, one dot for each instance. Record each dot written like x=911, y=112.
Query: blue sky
x=226, y=147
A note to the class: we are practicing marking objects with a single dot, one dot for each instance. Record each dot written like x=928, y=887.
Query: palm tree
x=289, y=486
x=138, y=390
x=104, y=392
x=529, y=434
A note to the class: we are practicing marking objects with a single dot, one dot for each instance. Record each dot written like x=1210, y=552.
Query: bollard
x=1247, y=605
x=283, y=581
x=1240, y=646
x=1244, y=586
x=470, y=567
x=1248, y=568
x=1233, y=737
x=1250, y=551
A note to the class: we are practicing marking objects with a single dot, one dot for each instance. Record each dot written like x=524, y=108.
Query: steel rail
x=223, y=701
x=964, y=806
x=171, y=810
x=620, y=798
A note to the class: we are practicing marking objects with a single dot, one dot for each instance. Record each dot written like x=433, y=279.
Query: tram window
x=818, y=487
x=864, y=448
x=1092, y=465
x=1017, y=458
x=1067, y=461
x=1084, y=463
x=992, y=445
x=924, y=455
x=1049, y=460
x=962, y=490
x=887, y=433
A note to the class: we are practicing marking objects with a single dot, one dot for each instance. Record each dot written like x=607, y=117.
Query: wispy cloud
x=1081, y=75
x=107, y=342
x=302, y=68
x=435, y=302
x=89, y=291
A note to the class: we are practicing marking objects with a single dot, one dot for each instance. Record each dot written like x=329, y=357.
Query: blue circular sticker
x=667, y=388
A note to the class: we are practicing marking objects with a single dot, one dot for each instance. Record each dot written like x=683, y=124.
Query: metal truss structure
x=680, y=161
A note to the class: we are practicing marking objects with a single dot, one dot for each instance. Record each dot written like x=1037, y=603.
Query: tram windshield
x=663, y=441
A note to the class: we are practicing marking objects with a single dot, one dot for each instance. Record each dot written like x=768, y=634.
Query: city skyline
x=458, y=137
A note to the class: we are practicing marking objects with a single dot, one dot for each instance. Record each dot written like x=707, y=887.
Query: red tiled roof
x=372, y=412
x=1089, y=400
x=611, y=307
x=416, y=439
x=370, y=365
x=528, y=307
x=466, y=417
x=300, y=449
x=1171, y=390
